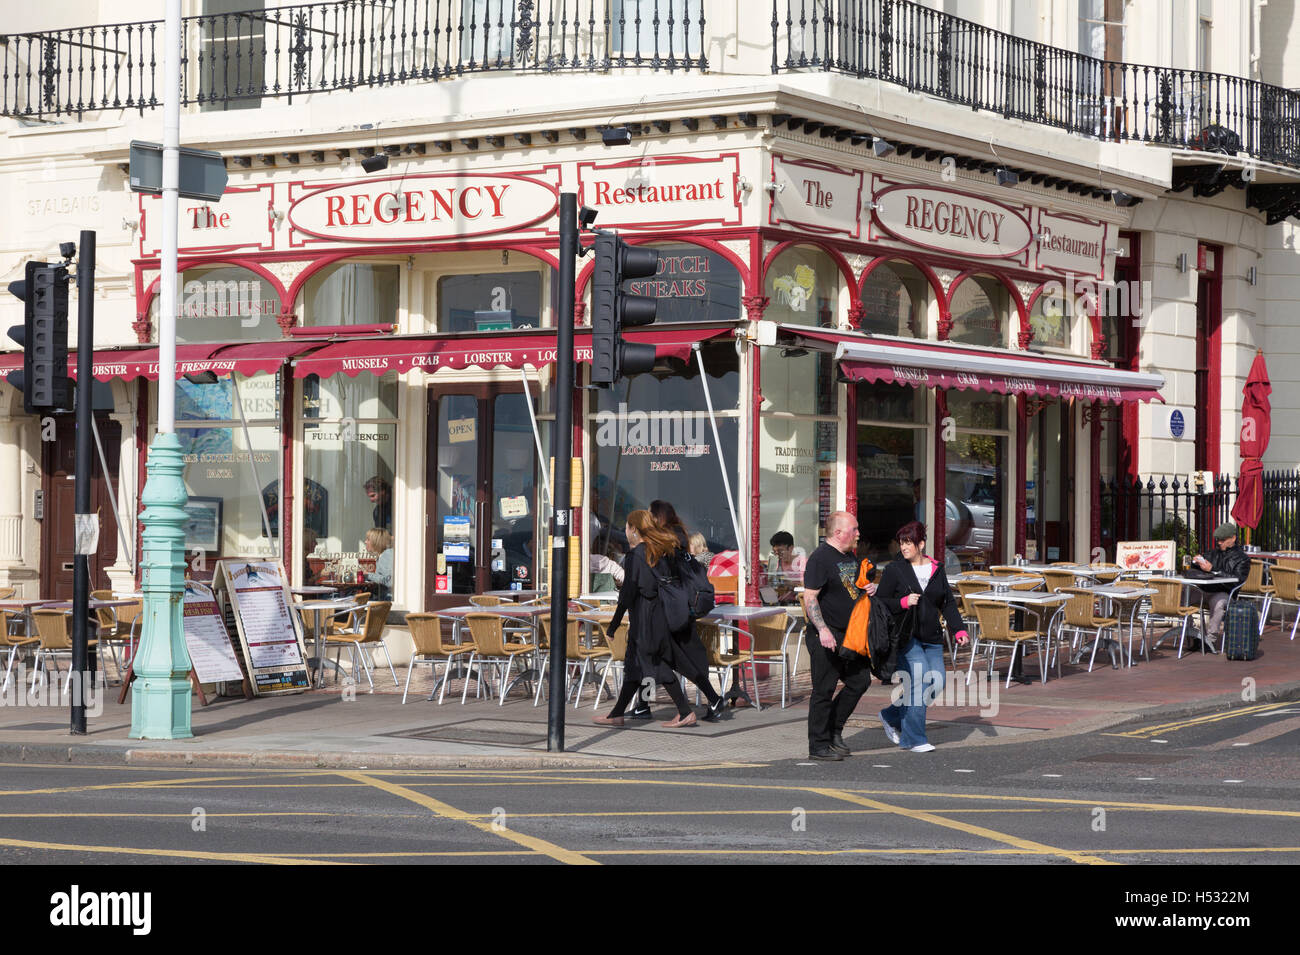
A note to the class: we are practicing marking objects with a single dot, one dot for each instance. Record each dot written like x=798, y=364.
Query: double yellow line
x=1150, y=732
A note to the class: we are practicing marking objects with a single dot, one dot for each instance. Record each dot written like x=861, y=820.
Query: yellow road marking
x=920, y=815
x=258, y=857
x=1173, y=727
x=446, y=811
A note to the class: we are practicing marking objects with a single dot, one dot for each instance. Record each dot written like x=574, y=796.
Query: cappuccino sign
x=954, y=222
x=422, y=208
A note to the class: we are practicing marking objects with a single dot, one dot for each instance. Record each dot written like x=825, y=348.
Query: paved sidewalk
x=336, y=727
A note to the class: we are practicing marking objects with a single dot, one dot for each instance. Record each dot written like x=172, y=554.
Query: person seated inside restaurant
x=1226, y=560
x=380, y=493
x=785, y=566
x=380, y=543
x=700, y=549
x=309, y=544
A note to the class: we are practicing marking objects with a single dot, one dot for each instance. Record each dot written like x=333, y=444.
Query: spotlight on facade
x=616, y=136
x=1122, y=198
x=882, y=148
x=1007, y=177
x=375, y=163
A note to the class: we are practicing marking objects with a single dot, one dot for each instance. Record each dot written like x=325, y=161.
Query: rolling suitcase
x=1241, y=631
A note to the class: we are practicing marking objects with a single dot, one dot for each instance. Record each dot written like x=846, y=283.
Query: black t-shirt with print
x=833, y=577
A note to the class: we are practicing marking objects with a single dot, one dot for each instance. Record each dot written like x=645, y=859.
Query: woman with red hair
x=651, y=650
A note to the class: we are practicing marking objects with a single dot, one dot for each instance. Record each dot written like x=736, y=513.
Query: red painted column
x=1092, y=415
x=1021, y=453
x=755, y=305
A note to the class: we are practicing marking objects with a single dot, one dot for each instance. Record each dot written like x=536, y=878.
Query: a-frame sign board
x=259, y=607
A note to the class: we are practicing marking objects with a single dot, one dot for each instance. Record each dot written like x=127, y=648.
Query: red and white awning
x=402, y=353
x=943, y=365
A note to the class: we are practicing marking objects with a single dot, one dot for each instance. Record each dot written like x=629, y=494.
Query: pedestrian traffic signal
x=614, y=309
x=43, y=336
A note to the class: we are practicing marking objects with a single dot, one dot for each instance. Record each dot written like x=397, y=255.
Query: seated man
x=785, y=566
x=1226, y=560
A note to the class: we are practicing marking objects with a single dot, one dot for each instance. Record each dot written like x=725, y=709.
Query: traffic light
x=614, y=309
x=43, y=336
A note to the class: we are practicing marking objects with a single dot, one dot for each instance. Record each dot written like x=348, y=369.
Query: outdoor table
x=730, y=614
x=521, y=612
x=984, y=578
x=25, y=607
x=604, y=596
x=319, y=638
x=1027, y=599
x=1198, y=584
x=311, y=590
x=515, y=594
x=1122, y=595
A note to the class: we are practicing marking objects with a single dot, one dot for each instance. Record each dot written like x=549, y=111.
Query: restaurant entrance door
x=58, y=538
x=1049, y=482
x=481, y=487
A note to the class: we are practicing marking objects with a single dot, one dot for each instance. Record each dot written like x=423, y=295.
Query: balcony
x=240, y=60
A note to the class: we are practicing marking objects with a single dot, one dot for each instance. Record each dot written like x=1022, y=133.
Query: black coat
x=652, y=649
x=1233, y=562
x=899, y=580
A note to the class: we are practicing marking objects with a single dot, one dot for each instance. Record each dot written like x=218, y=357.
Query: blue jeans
x=922, y=667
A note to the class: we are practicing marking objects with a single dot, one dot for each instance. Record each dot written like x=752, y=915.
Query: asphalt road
x=1217, y=789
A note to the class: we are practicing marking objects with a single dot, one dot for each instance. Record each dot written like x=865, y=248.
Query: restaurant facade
x=897, y=330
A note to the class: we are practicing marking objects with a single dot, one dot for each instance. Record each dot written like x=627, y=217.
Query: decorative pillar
x=11, y=500
x=939, y=532
x=579, y=313
x=1021, y=452
x=143, y=328
x=755, y=305
x=160, y=700
x=1024, y=338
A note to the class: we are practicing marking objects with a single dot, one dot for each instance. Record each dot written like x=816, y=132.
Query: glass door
x=1048, y=468
x=482, y=489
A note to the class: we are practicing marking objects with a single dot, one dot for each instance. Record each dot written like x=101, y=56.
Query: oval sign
x=422, y=208
x=950, y=221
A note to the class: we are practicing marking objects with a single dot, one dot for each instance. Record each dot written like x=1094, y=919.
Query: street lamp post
x=160, y=697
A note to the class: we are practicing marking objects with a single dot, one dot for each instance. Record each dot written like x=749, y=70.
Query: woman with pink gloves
x=915, y=588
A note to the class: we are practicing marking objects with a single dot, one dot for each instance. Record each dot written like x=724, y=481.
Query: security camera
x=586, y=216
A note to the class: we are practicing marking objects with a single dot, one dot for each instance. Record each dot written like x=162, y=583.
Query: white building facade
x=913, y=265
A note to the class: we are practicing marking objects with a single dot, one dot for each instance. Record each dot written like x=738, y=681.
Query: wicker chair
x=577, y=656
x=721, y=662
x=1167, y=607
x=15, y=643
x=1255, y=589
x=769, y=637
x=617, y=643
x=490, y=647
x=56, y=641
x=426, y=634
x=1081, y=618
x=995, y=631
x=369, y=635
x=1107, y=573
x=1286, y=583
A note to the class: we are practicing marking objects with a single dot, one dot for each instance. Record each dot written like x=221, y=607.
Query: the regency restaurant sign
x=954, y=222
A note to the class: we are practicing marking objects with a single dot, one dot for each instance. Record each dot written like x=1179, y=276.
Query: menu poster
x=269, y=631
x=212, y=656
x=1145, y=555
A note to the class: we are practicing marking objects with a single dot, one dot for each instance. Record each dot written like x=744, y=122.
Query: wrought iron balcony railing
x=935, y=53
x=239, y=60
x=234, y=60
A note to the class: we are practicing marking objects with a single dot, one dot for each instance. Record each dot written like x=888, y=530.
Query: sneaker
x=641, y=713
x=891, y=734
x=827, y=754
x=923, y=748
x=837, y=745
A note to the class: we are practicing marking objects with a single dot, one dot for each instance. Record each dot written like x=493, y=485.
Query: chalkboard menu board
x=259, y=604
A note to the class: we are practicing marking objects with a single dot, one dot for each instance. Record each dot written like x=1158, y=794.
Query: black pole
x=85, y=408
x=561, y=453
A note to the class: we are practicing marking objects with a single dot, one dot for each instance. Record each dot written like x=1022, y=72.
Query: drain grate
x=1144, y=758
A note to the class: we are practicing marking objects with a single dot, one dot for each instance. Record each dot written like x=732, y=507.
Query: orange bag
x=855, y=638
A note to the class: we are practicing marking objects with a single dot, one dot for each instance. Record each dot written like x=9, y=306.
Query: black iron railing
x=932, y=52
x=1176, y=508
x=238, y=59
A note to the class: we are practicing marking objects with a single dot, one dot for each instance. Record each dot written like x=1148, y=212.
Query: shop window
x=892, y=440
x=227, y=461
x=895, y=298
x=798, y=384
x=1052, y=320
x=487, y=31
x=489, y=302
x=797, y=468
x=352, y=293
x=975, y=479
x=222, y=303
x=349, y=458
x=980, y=307
x=693, y=284
x=803, y=288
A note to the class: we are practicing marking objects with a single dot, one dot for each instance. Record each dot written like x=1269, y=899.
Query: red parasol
x=1256, y=425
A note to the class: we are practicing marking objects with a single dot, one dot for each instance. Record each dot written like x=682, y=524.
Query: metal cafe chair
x=577, y=656
x=426, y=635
x=769, y=637
x=490, y=647
x=617, y=642
x=1081, y=618
x=995, y=631
x=1286, y=581
x=55, y=641
x=721, y=661
x=368, y=636
x=15, y=643
x=1255, y=589
x=1167, y=607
